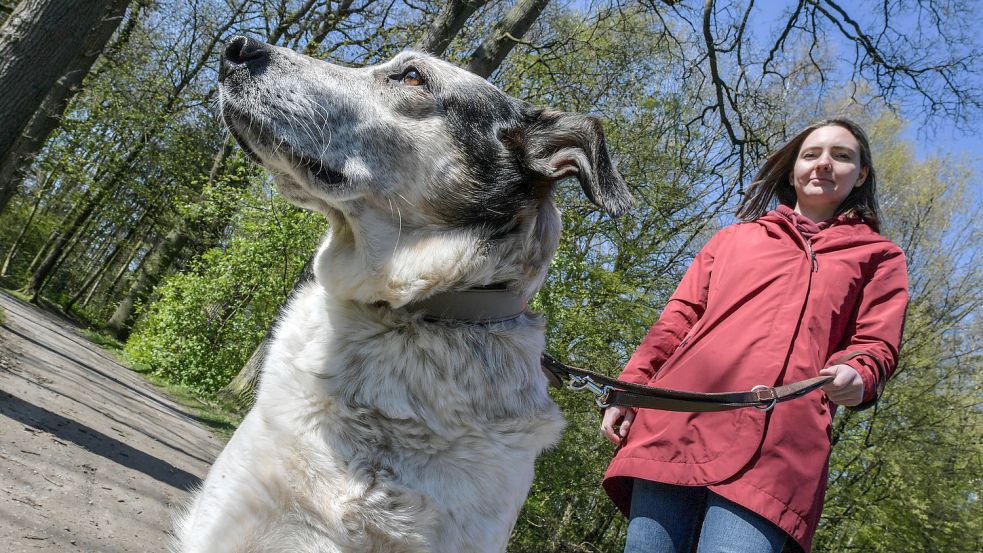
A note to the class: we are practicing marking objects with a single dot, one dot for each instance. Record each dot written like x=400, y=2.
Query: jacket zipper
x=813, y=268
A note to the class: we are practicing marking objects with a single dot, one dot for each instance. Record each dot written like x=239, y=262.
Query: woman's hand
x=617, y=420
x=847, y=387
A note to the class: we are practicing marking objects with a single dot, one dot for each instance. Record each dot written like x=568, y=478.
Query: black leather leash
x=609, y=391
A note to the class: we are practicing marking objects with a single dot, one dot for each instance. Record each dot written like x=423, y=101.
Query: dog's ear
x=555, y=145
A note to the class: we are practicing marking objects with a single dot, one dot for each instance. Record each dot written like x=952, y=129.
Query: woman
x=809, y=287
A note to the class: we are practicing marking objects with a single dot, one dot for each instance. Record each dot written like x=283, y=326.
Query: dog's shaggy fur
x=377, y=427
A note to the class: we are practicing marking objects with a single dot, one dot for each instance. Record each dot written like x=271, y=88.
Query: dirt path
x=92, y=457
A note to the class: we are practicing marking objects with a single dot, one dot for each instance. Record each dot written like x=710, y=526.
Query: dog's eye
x=411, y=77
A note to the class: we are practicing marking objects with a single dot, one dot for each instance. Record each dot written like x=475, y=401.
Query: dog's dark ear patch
x=558, y=145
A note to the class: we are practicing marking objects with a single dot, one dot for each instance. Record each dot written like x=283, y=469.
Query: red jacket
x=762, y=305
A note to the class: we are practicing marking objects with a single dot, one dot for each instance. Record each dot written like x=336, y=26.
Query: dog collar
x=474, y=305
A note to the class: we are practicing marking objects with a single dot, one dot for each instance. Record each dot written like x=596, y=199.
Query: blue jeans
x=669, y=519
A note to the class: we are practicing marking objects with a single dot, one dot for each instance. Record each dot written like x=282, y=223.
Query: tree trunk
x=122, y=269
x=42, y=42
x=447, y=25
x=156, y=265
x=504, y=36
x=94, y=275
x=14, y=165
x=69, y=250
x=241, y=391
x=52, y=238
x=40, y=276
x=92, y=283
x=95, y=286
x=99, y=268
x=42, y=189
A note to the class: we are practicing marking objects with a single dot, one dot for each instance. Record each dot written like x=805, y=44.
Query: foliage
x=207, y=320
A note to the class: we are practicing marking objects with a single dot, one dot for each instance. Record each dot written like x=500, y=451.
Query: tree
x=31, y=62
x=20, y=156
x=108, y=183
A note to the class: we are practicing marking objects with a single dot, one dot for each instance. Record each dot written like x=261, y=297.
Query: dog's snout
x=243, y=53
x=243, y=50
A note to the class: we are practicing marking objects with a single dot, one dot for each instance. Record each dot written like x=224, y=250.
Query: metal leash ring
x=772, y=398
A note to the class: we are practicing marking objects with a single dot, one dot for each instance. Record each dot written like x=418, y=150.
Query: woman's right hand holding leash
x=616, y=422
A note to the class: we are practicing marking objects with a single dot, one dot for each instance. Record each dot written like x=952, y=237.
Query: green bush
x=206, y=322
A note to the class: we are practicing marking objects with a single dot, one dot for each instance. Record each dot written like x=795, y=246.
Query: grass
x=18, y=294
x=219, y=417
x=104, y=341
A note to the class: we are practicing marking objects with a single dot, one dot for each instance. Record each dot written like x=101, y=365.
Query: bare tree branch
x=504, y=36
x=447, y=25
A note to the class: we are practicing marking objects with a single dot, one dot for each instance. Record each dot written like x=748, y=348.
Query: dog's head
x=432, y=179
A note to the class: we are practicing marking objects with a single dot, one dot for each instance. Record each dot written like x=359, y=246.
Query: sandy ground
x=92, y=457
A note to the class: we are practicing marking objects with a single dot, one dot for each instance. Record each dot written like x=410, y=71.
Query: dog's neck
x=490, y=304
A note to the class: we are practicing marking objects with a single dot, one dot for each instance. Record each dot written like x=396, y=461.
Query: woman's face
x=826, y=170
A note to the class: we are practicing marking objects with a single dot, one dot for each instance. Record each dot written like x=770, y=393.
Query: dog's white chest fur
x=376, y=433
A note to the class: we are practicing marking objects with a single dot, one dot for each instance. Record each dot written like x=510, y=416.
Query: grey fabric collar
x=474, y=305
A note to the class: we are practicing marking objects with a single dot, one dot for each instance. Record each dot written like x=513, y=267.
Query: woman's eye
x=411, y=77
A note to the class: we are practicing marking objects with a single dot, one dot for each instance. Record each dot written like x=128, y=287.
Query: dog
x=401, y=405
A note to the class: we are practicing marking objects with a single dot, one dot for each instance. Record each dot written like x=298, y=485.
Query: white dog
x=402, y=404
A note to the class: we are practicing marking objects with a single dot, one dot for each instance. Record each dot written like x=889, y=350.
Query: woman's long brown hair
x=772, y=181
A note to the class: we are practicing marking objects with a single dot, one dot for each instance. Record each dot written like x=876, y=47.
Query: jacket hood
x=845, y=230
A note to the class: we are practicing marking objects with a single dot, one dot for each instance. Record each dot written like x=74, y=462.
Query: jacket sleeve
x=873, y=336
x=685, y=307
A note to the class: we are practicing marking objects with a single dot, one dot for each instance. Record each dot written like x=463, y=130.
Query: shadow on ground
x=96, y=442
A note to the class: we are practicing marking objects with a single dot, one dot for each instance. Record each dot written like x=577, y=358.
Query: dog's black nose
x=243, y=53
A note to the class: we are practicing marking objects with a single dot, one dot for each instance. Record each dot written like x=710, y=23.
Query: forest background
x=124, y=204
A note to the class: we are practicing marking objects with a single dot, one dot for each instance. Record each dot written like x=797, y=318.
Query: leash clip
x=765, y=393
x=601, y=393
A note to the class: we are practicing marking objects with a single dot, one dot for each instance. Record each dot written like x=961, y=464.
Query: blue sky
x=935, y=136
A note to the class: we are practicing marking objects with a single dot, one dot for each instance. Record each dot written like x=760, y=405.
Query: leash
x=609, y=391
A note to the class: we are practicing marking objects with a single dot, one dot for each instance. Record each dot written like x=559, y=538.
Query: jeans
x=668, y=519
